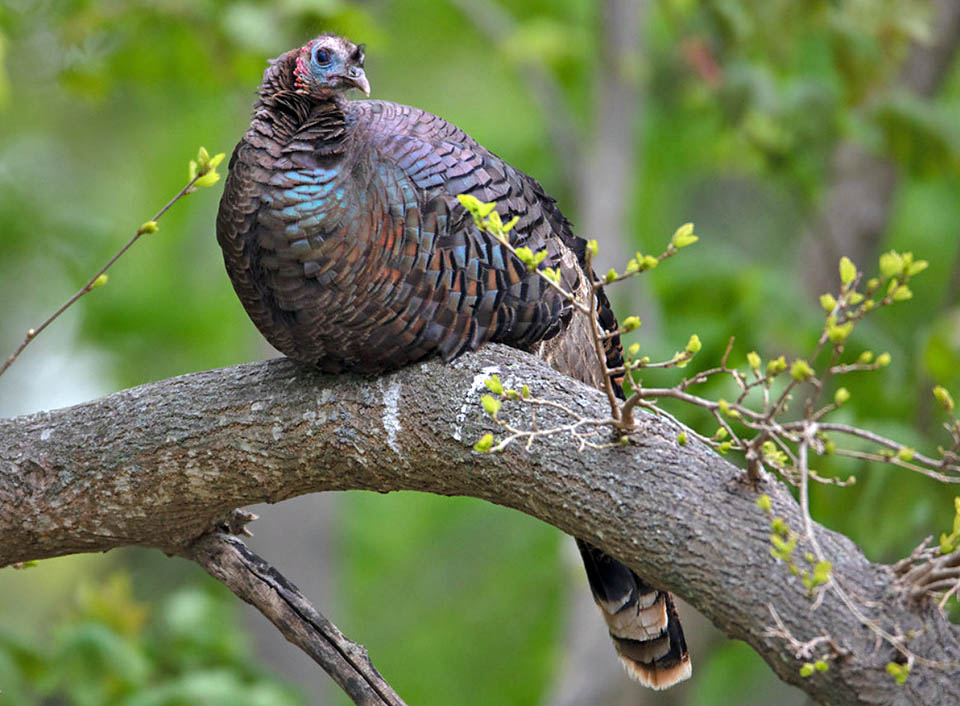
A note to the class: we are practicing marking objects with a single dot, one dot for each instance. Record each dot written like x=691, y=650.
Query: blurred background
x=791, y=133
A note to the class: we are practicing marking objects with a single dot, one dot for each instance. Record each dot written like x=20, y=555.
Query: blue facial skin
x=327, y=65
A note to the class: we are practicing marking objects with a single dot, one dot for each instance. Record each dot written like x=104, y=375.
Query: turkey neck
x=288, y=116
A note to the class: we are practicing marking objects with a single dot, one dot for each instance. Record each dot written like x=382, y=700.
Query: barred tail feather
x=643, y=621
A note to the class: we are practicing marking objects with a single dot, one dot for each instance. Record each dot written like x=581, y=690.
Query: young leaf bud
x=839, y=334
x=905, y=453
x=902, y=293
x=848, y=271
x=208, y=179
x=776, y=366
x=683, y=236
x=484, y=444
x=494, y=385
x=917, y=267
x=944, y=398
x=801, y=370
x=491, y=405
x=891, y=264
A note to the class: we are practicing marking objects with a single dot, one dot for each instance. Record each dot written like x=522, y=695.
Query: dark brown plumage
x=344, y=240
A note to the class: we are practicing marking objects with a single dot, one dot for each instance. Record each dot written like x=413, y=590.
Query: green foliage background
x=101, y=106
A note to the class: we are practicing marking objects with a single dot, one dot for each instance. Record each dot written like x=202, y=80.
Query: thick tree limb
x=160, y=465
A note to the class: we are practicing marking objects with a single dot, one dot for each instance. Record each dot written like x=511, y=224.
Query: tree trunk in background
x=857, y=205
x=608, y=176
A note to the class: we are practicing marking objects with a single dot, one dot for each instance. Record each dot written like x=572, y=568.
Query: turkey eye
x=322, y=57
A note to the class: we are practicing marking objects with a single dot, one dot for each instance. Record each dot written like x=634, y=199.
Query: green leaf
x=841, y=396
x=693, y=345
x=919, y=133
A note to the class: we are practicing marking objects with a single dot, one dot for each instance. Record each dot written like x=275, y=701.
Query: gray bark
x=159, y=465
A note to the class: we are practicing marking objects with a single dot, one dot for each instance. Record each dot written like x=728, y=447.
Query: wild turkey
x=344, y=240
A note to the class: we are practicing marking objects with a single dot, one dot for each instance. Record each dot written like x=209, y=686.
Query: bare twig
x=91, y=284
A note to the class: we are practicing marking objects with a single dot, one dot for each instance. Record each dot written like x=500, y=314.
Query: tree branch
x=162, y=464
x=229, y=561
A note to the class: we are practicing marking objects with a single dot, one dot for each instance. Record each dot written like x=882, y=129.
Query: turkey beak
x=358, y=78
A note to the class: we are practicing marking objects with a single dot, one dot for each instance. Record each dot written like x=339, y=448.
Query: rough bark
x=161, y=464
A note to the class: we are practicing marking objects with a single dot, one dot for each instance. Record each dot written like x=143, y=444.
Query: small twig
x=252, y=579
x=801, y=650
x=34, y=332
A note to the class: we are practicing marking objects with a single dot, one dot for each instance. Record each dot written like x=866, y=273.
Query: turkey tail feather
x=642, y=620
